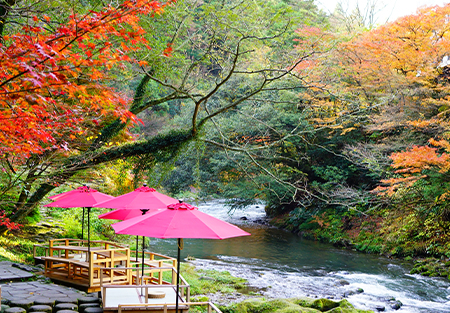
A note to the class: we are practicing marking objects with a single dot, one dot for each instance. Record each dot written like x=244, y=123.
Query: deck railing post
x=91, y=271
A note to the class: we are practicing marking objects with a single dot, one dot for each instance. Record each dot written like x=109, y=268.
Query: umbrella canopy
x=141, y=198
x=122, y=214
x=82, y=197
x=179, y=220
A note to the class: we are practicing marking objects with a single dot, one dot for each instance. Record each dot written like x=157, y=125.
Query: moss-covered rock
x=297, y=305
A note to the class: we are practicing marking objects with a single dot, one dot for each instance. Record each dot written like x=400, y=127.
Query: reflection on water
x=288, y=266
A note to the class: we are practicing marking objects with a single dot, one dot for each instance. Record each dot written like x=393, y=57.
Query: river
x=282, y=265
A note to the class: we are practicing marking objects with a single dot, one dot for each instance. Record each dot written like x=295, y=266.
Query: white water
x=283, y=265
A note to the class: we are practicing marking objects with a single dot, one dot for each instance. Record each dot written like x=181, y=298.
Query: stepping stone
x=83, y=300
x=82, y=307
x=44, y=301
x=15, y=310
x=65, y=306
x=66, y=300
x=22, y=303
x=67, y=311
x=93, y=310
x=6, y=301
x=41, y=308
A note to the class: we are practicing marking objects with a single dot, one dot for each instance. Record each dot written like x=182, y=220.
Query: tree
x=51, y=82
x=396, y=75
x=207, y=60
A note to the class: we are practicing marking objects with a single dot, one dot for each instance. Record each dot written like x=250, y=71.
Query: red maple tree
x=52, y=83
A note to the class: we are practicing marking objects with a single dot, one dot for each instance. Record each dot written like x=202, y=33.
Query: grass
x=16, y=249
x=203, y=282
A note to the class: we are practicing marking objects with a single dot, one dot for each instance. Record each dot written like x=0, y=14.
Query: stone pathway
x=9, y=272
x=33, y=290
x=29, y=293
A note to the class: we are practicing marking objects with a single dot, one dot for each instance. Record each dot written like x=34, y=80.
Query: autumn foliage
x=53, y=80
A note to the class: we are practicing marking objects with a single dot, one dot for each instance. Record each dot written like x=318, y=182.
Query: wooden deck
x=71, y=262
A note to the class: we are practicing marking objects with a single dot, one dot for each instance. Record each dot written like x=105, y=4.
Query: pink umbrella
x=82, y=197
x=141, y=198
x=135, y=203
x=179, y=220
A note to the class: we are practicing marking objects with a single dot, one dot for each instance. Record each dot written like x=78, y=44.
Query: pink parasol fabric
x=179, y=220
x=82, y=197
x=141, y=198
x=121, y=214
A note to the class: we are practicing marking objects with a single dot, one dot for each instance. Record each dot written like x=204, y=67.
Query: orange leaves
x=50, y=82
x=418, y=159
x=413, y=164
x=168, y=51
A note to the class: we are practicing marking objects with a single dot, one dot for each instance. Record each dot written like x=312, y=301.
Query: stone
x=348, y=293
x=83, y=300
x=22, y=303
x=41, y=308
x=396, y=305
x=359, y=290
x=65, y=306
x=67, y=299
x=380, y=308
x=67, y=311
x=44, y=301
x=82, y=307
x=15, y=310
x=343, y=282
x=93, y=310
x=206, y=278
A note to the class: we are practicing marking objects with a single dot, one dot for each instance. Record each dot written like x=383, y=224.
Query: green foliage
x=16, y=249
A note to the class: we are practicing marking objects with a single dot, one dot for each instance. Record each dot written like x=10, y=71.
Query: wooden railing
x=184, y=290
x=149, y=278
x=166, y=306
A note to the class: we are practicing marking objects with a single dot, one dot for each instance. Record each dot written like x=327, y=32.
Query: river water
x=282, y=265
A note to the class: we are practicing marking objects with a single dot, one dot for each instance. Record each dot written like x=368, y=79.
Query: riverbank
x=424, y=242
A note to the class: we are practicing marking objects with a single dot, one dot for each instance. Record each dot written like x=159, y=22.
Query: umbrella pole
x=142, y=276
x=137, y=248
x=89, y=233
x=82, y=225
x=180, y=246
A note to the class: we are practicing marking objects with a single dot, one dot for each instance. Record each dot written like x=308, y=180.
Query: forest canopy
x=324, y=117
